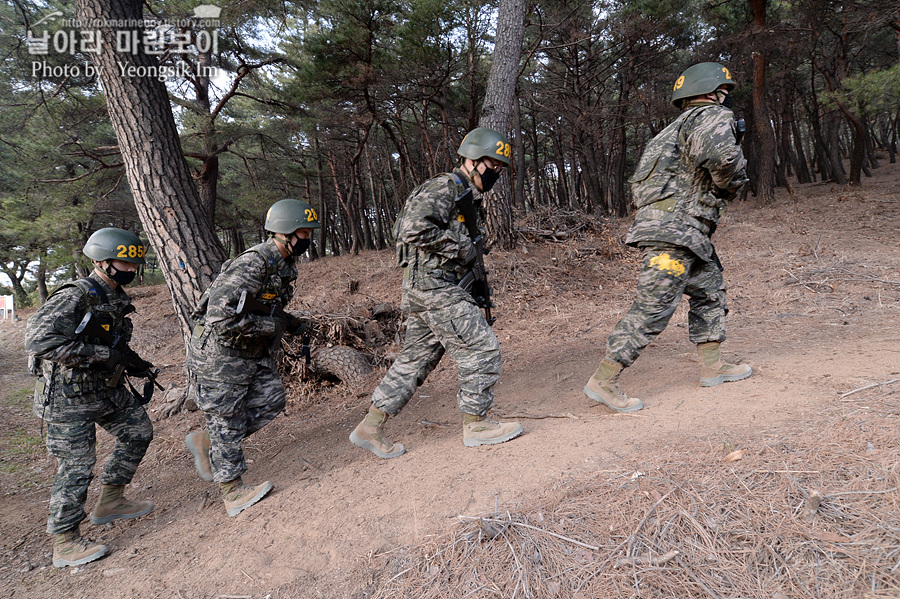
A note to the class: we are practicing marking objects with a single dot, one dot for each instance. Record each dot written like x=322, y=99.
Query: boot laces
x=74, y=545
x=485, y=424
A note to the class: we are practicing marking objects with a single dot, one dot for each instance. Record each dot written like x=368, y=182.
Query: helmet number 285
x=503, y=149
x=130, y=251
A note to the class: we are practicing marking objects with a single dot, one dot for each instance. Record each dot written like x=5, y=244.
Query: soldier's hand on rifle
x=300, y=326
x=137, y=367
x=113, y=360
x=471, y=254
x=280, y=328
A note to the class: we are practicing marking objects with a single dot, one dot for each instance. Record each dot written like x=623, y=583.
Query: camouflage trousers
x=667, y=273
x=233, y=412
x=449, y=323
x=74, y=445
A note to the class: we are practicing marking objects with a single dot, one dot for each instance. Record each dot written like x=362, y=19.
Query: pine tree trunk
x=762, y=128
x=497, y=112
x=167, y=202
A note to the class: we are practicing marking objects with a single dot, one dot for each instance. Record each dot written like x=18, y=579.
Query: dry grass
x=807, y=516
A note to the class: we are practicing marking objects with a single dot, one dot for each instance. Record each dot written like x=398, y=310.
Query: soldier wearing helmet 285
x=81, y=386
x=686, y=176
x=436, y=252
x=233, y=376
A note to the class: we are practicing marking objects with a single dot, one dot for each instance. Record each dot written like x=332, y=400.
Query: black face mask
x=488, y=178
x=299, y=247
x=727, y=102
x=121, y=277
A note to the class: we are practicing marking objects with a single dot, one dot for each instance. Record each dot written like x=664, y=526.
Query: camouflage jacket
x=73, y=378
x=687, y=174
x=433, y=244
x=223, y=340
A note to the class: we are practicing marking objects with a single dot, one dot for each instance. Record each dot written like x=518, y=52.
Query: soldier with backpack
x=80, y=387
x=233, y=374
x=436, y=250
x=686, y=176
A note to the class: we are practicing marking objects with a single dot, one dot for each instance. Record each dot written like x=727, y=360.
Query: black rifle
x=475, y=281
x=89, y=327
x=740, y=127
x=248, y=304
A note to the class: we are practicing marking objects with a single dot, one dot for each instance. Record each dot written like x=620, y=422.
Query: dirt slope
x=814, y=293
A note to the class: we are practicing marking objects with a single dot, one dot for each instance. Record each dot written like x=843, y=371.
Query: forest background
x=350, y=104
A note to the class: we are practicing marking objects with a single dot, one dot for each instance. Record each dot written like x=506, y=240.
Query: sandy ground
x=814, y=293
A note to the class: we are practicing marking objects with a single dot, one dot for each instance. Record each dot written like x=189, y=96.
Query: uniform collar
x=476, y=195
x=694, y=103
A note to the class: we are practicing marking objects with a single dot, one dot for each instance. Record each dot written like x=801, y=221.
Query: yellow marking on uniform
x=105, y=327
x=268, y=296
x=461, y=218
x=665, y=263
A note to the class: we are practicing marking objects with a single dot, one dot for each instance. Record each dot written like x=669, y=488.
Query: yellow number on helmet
x=311, y=215
x=727, y=74
x=140, y=251
x=123, y=251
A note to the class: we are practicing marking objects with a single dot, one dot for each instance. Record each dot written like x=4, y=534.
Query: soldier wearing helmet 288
x=233, y=376
x=436, y=252
x=80, y=385
x=684, y=179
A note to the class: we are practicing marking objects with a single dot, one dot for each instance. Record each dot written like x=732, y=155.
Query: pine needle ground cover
x=812, y=515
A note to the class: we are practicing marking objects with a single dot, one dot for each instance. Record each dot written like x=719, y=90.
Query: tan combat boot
x=114, y=506
x=369, y=434
x=602, y=388
x=70, y=549
x=198, y=444
x=239, y=496
x=713, y=371
x=481, y=430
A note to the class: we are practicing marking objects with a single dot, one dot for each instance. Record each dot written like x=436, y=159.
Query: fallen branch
x=843, y=395
x=535, y=528
x=538, y=416
x=646, y=560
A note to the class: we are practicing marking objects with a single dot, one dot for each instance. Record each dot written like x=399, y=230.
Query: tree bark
x=497, y=111
x=167, y=201
x=762, y=128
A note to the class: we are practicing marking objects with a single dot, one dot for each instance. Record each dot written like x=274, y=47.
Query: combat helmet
x=114, y=244
x=700, y=79
x=286, y=216
x=484, y=142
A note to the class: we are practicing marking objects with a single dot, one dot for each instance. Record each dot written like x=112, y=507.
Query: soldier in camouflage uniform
x=77, y=389
x=686, y=176
x=435, y=251
x=230, y=357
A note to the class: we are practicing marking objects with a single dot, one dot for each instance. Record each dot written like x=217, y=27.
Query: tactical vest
x=664, y=172
x=74, y=381
x=424, y=270
x=272, y=291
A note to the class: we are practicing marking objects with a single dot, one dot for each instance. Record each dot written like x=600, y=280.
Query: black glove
x=137, y=366
x=471, y=254
x=113, y=360
x=301, y=326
